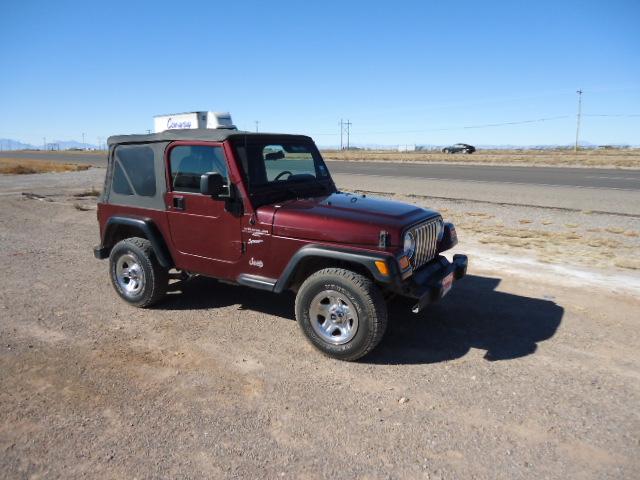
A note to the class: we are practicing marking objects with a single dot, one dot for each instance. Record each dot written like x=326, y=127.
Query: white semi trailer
x=193, y=120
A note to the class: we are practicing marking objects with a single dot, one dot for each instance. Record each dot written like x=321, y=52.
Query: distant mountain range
x=11, y=144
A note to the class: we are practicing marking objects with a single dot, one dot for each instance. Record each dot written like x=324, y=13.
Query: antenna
x=579, y=92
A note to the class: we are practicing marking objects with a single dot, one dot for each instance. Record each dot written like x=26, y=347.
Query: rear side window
x=120, y=182
x=134, y=171
x=189, y=162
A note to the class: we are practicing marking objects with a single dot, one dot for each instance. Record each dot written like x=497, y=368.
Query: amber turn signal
x=403, y=262
x=382, y=267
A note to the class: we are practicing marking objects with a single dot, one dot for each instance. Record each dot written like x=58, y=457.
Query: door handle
x=178, y=203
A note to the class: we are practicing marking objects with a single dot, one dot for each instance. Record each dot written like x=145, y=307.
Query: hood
x=346, y=218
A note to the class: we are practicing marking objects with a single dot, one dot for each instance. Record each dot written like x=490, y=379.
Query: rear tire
x=342, y=313
x=136, y=274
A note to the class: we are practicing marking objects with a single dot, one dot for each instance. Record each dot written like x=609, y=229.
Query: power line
x=619, y=115
x=465, y=127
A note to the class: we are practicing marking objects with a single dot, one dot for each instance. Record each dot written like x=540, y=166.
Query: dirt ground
x=511, y=376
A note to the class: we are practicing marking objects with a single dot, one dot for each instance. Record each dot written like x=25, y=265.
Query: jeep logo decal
x=256, y=263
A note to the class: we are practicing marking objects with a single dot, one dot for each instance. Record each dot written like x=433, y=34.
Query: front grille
x=426, y=235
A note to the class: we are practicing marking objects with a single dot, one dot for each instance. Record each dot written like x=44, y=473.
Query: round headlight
x=409, y=244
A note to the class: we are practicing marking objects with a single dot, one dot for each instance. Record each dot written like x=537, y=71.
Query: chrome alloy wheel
x=333, y=317
x=129, y=275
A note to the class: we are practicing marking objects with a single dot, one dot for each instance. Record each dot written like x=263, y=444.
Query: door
x=202, y=230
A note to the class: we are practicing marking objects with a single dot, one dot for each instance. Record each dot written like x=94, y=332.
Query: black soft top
x=205, y=134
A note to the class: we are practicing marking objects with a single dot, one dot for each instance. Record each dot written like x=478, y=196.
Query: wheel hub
x=333, y=317
x=129, y=275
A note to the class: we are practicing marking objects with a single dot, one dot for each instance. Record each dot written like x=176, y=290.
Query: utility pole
x=84, y=145
x=348, y=133
x=579, y=92
x=257, y=123
x=345, y=129
x=44, y=143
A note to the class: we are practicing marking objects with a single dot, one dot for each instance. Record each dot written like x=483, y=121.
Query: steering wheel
x=281, y=174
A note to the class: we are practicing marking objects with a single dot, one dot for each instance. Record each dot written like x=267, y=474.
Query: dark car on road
x=459, y=148
x=262, y=211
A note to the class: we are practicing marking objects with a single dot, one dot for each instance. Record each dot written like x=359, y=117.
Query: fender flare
x=147, y=227
x=366, y=259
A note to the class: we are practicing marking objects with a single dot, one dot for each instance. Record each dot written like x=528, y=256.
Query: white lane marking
x=614, y=178
x=489, y=181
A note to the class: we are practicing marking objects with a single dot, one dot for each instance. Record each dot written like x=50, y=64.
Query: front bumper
x=431, y=283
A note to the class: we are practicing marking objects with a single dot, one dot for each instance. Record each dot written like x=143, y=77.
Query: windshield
x=282, y=169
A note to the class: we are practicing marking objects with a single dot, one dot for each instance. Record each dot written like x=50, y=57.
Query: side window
x=134, y=171
x=120, y=182
x=189, y=162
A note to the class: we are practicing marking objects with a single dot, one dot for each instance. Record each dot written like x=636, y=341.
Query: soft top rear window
x=134, y=171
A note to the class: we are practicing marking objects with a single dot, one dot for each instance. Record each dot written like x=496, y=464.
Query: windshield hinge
x=383, y=240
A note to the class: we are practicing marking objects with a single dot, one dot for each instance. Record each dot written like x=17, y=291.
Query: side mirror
x=212, y=184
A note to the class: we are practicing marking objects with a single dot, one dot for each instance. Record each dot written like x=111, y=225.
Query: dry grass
x=569, y=243
x=21, y=166
x=626, y=158
x=629, y=263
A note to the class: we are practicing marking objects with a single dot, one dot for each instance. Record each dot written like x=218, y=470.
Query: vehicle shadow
x=472, y=315
x=202, y=293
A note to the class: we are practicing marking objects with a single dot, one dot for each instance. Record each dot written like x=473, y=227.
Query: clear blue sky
x=402, y=72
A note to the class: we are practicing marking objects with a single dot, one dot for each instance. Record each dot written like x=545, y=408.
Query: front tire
x=136, y=274
x=342, y=313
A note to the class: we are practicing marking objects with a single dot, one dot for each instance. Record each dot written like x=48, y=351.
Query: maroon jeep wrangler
x=261, y=210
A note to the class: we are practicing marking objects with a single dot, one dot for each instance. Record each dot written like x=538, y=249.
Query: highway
x=617, y=179
x=545, y=176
